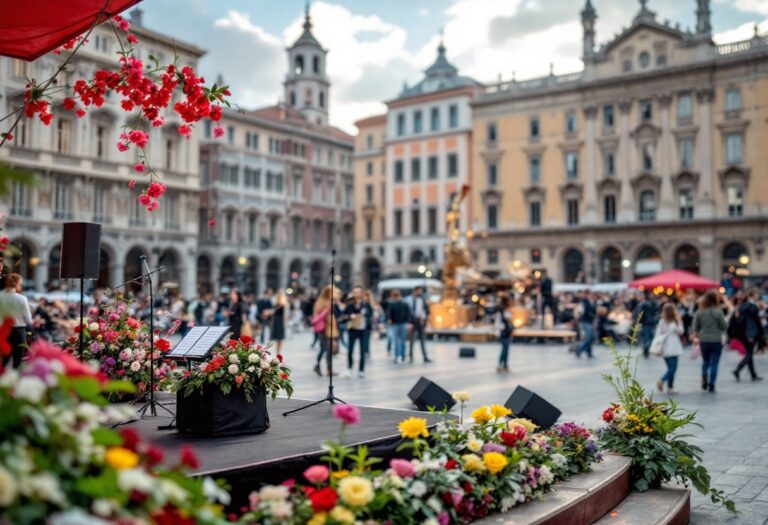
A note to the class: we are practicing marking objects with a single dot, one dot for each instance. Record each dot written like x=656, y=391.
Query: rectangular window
x=572, y=206
x=100, y=204
x=570, y=123
x=685, y=153
x=492, y=218
x=270, y=181
x=646, y=110
x=733, y=148
x=571, y=164
x=401, y=125
x=252, y=222
x=608, y=118
x=609, y=209
x=535, y=170
x=101, y=142
x=453, y=116
x=533, y=128
x=493, y=256
x=398, y=222
x=369, y=169
x=432, y=254
x=735, y=197
x=255, y=142
x=415, y=221
x=298, y=186
x=61, y=200
x=434, y=119
x=610, y=163
x=491, y=132
x=686, y=203
x=369, y=141
x=137, y=212
x=432, y=220
x=170, y=154
x=317, y=191
x=369, y=229
x=646, y=151
x=535, y=256
x=399, y=255
x=207, y=128
x=733, y=99
x=279, y=182
x=684, y=107
x=171, y=212
x=432, y=168
x=398, y=171
x=369, y=193
x=416, y=169
x=231, y=134
x=453, y=165
x=330, y=235
x=63, y=131
x=492, y=174
x=417, y=123
x=534, y=213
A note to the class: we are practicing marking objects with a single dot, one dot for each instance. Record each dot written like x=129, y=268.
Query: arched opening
x=133, y=268
x=736, y=259
x=610, y=265
x=23, y=262
x=417, y=257
x=316, y=64
x=170, y=274
x=371, y=273
x=228, y=277
x=54, y=263
x=647, y=262
x=316, y=274
x=204, y=284
x=105, y=264
x=292, y=98
x=273, y=274
x=573, y=266
x=251, y=280
x=346, y=276
x=321, y=99
x=299, y=64
x=295, y=270
x=687, y=258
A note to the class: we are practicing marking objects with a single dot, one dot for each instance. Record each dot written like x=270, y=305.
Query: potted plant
x=227, y=394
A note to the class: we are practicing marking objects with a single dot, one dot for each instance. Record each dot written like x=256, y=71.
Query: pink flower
x=138, y=137
x=218, y=132
x=156, y=190
x=402, y=468
x=159, y=121
x=144, y=199
x=316, y=474
x=80, y=113
x=69, y=104
x=131, y=184
x=122, y=147
x=153, y=206
x=215, y=114
x=132, y=39
x=185, y=131
x=211, y=222
x=347, y=414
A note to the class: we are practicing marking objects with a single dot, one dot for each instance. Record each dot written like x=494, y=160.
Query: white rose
x=75, y=517
x=430, y=521
x=233, y=369
x=545, y=475
x=102, y=507
x=418, y=489
x=8, y=488
x=135, y=366
x=267, y=357
x=173, y=491
x=233, y=358
x=213, y=492
x=9, y=378
x=45, y=487
x=281, y=509
x=135, y=479
x=88, y=411
x=30, y=388
x=434, y=504
x=273, y=493
x=461, y=396
x=474, y=445
x=253, y=358
x=251, y=369
x=93, y=327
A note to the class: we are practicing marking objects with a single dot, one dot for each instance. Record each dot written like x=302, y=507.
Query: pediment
x=646, y=130
x=641, y=33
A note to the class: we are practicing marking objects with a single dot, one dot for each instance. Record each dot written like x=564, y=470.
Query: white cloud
x=752, y=6
x=743, y=32
x=423, y=11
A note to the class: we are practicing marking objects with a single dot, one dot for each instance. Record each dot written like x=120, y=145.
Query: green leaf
x=105, y=437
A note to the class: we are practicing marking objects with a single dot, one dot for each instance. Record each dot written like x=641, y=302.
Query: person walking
x=419, y=315
x=264, y=312
x=709, y=326
x=505, y=334
x=236, y=314
x=586, y=322
x=17, y=307
x=750, y=332
x=669, y=331
x=326, y=326
x=279, y=313
x=398, y=315
x=547, y=299
x=359, y=316
x=645, y=313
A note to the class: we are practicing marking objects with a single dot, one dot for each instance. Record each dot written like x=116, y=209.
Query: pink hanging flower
x=218, y=132
x=159, y=121
x=153, y=206
x=131, y=184
x=211, y=222
x=69, y=104
x=80, y=113
x=347, y=414
x=185, y=131
x=316, y=474
x=122, y=147
x=156, y=190
x=132, y=39
x=139, y=166
x=138, y=137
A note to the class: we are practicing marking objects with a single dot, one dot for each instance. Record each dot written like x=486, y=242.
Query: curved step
x=666, y=506
x=582, y=500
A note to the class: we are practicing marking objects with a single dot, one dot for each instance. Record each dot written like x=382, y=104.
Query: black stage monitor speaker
x=467, y=351
x=80, y=247
x=426, y=394
x=527, y=404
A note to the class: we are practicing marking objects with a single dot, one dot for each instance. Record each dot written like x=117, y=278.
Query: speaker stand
x=81, y=345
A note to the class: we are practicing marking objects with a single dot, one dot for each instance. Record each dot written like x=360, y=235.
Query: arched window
x=647, y=211
x=316, y=64
x=573, y=266
x=292, y=98
x=610, y=265
x=735, y=258
x=648, y=261
x=299, y=65
x=687, y=258
x=322, y=99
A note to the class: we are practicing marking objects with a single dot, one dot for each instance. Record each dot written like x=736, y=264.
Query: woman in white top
x=15, y=305
x=670, y=329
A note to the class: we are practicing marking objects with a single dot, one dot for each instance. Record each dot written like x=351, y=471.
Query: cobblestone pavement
x=735, y=420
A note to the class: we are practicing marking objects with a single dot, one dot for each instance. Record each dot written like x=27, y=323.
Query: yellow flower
x=342, y=515
x=500, y=411
x=472, y=463
x=355, y=491
x=121, y=458
x=527, y=424
x=462, y=396
x=339, y=474
x=413, y=427
x=317, y=519
x=494, y=462
x=474, y=445
x=481, y=415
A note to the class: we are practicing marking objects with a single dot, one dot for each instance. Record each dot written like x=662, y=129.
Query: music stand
x=329, y=396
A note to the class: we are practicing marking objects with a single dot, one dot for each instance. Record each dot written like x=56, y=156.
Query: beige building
x=652, y=157
x=370, y=198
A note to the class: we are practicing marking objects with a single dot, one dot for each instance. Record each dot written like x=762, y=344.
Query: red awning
x=31, y=28
x=675, y=280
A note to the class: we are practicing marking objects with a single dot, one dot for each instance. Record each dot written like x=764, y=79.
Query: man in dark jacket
x=398, y=317
x=586, y=324
x=419, y=315
x=646, y=313
x=750, y=332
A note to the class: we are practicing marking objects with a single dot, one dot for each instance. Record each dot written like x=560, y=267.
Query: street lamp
x=626, y=263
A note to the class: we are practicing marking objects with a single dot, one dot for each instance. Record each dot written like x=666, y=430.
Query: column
x=705, y=207
x=117, y=270
x=590, y=189
x=666, y=198
x=262, y=277
x=41, y=275
x=215, y=276
x=626, y=211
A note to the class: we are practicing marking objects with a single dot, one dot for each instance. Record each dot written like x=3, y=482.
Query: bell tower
x=588, y=17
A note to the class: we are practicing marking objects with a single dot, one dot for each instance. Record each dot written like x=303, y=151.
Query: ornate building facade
x=652, y=157
x=279, y=188
x=81, y=176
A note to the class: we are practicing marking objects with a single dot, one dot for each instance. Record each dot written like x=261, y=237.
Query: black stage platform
x=289, y=446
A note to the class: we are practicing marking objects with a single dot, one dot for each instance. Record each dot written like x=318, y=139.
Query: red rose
x=5, y=332
x=154, y=455
x=283, y=376
x=511, y=439
x=451, y=464
x=188, y=457
x=239, y=380
x=246, y=339
x=608, y=414
x=232, y=343
x=323, y=500
x=163, y=345
x=130, y=437
x=280, y=357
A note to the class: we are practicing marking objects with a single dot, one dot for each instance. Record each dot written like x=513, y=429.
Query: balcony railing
x=549, y=81
x=754, y=43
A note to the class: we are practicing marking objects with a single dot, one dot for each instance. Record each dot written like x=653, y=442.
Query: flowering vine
x=146, y=89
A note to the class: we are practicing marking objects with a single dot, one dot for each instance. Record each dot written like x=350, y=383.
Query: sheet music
x=207, y=341
x=189, y=341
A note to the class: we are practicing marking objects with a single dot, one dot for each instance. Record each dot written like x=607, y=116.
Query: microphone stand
x=329, y=396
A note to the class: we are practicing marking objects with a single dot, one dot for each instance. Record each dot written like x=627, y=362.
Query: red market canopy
x=32, y=28
x=675, y=280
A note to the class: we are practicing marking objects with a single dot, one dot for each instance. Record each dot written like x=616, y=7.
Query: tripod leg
x=306, y=406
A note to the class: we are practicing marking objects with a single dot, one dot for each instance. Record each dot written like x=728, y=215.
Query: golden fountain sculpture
x=449, y=312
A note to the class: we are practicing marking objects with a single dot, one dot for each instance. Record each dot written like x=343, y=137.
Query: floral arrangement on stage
x=649, y=432
x=60, y=465
x=239, y=364
x=118, y=345
x=455, y=473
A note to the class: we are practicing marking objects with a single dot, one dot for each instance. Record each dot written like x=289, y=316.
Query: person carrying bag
x=666, y=343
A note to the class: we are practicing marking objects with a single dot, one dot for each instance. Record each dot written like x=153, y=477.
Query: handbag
x=246, y=329
x=696, y=351
x=657, y=344
x=320, y=321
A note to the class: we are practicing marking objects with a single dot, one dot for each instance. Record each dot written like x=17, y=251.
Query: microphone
x=142, y=257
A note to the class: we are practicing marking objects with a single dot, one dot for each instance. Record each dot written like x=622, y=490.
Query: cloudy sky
x=377, y=45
